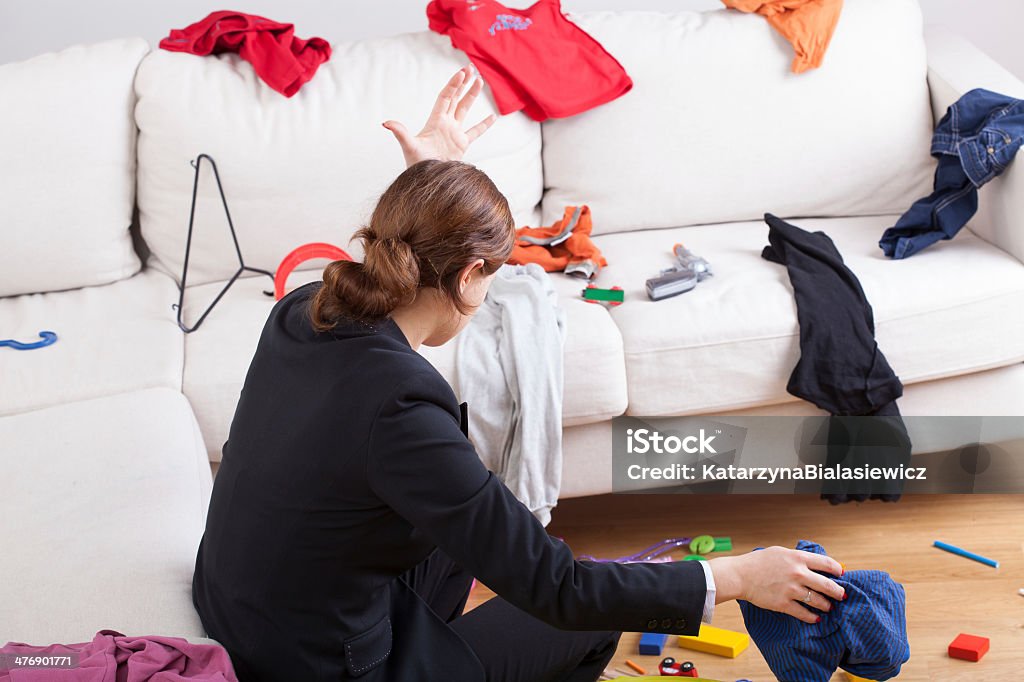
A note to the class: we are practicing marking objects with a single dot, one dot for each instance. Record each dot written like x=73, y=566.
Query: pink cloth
x=113, y=657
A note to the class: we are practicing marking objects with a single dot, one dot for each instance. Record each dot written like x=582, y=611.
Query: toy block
x=613, y=295
x=652, y=643
x=968, y=647
x=853, y=678
x=717, y=641
x=723, y=545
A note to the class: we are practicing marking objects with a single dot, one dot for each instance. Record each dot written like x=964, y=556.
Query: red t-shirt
x=534, y=59
x=283, y=61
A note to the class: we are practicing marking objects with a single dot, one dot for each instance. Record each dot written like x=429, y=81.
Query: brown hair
x=434, y=219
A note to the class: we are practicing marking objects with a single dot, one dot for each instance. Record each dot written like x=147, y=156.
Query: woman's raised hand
x=779, y=579
x=442, y=136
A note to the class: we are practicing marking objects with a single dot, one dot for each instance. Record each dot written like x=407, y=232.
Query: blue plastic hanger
x=47, y=338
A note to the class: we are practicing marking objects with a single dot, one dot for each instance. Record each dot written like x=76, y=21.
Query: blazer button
x=667, y=623
x=652, y=623
x=680, y=623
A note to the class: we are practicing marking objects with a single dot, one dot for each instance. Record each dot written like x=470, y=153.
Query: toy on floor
x=624, y=675
x=968, y=647
x=635, y=667
x=658, y=550
x=652, y=643
x=300, y=255
x=952, y=549
x=670, y=667
x=647, y=554
x=682, y=277
x=46, y=339
x=717, y=641
x=614, y=296
x=853, y=678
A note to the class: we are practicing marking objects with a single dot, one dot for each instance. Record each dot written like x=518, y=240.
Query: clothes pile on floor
x=113, y=657
x=865, y=634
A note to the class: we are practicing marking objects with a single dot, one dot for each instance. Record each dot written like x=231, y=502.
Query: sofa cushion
x=219, y=352
x=110, y=339
x=718, y=129
x=68, y=141
x=106, y=502
x=733, y=341
x=305, y=169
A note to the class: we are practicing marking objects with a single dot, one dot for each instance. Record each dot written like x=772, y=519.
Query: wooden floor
x=946, y=594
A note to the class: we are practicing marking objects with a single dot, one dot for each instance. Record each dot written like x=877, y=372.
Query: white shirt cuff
x=709, y=599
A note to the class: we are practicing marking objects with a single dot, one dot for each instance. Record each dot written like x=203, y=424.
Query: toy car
x=669, y=667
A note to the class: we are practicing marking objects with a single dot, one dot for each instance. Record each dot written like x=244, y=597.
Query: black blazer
x=346, y=465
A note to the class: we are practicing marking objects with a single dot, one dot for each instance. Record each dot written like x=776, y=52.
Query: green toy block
x=595, y=294
x=723, y=545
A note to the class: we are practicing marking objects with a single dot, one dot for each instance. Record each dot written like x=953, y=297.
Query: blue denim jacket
x=974, y=142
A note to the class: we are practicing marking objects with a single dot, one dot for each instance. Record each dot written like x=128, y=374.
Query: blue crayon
x=969, y=555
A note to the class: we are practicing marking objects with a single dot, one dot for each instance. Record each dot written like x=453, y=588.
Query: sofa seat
x=110, y=339
x=106, y=503
x=218, y=355
x=955, y=308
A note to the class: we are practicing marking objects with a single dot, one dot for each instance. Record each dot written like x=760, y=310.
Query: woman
x=350, y=511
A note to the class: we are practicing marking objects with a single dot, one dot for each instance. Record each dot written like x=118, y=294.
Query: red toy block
x=968, y=647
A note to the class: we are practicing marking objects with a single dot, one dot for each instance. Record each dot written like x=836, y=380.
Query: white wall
x=29, y=27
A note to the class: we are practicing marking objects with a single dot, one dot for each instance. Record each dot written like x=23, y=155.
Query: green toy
x=613, y=296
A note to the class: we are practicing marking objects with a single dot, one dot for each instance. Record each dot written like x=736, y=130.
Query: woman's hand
x=779, y=579
x=442, y=137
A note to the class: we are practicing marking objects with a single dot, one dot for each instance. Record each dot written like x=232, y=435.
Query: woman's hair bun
x=436, y=218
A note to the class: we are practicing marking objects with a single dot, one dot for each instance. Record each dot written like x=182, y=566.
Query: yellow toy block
x=717, y=641
x=853, y=678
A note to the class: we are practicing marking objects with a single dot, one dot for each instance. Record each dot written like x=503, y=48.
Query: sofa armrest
x=955, y=66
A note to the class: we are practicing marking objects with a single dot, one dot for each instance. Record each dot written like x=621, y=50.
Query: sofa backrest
x=67, y=141
x=304, y=169
x=717, y=128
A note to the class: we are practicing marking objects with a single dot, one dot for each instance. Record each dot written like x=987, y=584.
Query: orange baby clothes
x=565, y=245
x=808, y=25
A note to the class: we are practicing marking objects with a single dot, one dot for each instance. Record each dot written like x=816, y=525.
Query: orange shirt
x=807, y=25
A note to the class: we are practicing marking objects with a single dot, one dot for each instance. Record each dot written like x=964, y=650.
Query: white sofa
x=715, y=132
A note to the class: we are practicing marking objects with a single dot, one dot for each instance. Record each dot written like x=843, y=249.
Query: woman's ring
x=807, y=599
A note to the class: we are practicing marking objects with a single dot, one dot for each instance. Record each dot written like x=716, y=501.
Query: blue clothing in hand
x=974, y=142
x=865, y=634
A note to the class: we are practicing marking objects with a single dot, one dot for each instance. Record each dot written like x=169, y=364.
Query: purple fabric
x=113, y=657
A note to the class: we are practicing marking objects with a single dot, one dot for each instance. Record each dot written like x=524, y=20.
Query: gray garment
x=509, y=368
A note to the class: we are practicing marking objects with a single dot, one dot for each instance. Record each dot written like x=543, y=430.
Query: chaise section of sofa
x=105, y=503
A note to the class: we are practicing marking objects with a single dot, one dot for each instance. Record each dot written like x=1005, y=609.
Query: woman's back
x=298, y=550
